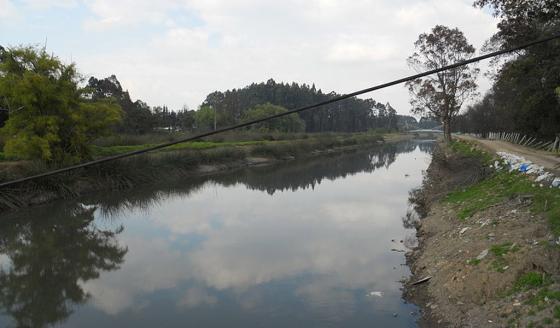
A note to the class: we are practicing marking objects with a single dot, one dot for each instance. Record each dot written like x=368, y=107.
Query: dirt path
x=548, y=160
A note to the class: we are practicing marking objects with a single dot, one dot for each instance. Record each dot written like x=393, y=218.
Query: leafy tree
x=49, y=117
x=138, y=118
x=522, y=21
x=289, y=123
x=523, y=97
x=186, y=119
x=442, y=95
x=204, y=118
x=384, y=117
x=350, y=115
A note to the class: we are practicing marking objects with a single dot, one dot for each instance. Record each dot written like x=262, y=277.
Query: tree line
x=350, y=115
x=525, y=96
x=48, y=113
x=251, y=102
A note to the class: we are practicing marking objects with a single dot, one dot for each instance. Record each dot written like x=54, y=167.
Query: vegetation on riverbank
x=505, y=185
x=490, y=244
x=167, y=165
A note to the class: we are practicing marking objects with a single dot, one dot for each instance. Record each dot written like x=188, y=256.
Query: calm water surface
x=301, y=244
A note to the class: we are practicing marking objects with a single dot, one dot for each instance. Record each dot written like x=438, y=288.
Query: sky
x=175, y=52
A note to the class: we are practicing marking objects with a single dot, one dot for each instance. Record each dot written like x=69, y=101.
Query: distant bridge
x=425, y=131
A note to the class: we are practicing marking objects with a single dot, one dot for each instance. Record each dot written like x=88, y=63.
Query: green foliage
x=49, y=118
x=474, y=261
x=500, y=186
x=196, y=145
x=469, y=150
x=556, y=312
x=351, y=115
x=531, y=280
x=499, y=251
x=204, y=118
x=289, y=123
x=318, y=143
x=137, y=116
x=523, y=97
x=542, y=295
x=503, y=249
x=504, y=185
x=522, y=21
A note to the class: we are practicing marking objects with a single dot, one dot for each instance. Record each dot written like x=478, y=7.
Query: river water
x=299, y=244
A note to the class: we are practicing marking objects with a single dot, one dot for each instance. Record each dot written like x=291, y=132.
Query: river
x=307, y=243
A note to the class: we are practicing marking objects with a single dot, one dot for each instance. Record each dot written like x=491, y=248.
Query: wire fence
x=523, y=140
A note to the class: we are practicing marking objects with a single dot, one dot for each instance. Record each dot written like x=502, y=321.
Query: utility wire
x=297, y=110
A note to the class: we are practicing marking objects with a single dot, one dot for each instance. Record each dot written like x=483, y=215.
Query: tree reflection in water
x=294, y=175
x=53, y=255
x=50, y=256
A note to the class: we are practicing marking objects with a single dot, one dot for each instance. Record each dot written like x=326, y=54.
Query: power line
x=297, y=110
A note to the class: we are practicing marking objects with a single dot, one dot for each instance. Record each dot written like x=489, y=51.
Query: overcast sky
x=175, y=52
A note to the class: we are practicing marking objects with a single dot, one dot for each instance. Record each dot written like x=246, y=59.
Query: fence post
x=546, y=144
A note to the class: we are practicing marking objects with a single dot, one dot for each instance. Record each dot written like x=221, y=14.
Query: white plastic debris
x=484, y=223
x=376, y=294
x=544, y=177
x=482, y=254
x=463, y=230
x=517, y=163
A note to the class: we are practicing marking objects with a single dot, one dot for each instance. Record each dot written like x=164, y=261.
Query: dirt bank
x=493, y=261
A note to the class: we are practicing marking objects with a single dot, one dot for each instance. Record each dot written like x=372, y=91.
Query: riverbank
x=489, y=243
x=170, y=165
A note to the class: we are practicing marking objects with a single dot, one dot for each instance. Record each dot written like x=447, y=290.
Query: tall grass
x=159, y=167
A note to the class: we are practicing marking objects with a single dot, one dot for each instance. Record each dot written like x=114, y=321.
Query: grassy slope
x=503, y=185
x=497, y=188
x=103, y=151
x=198, y=145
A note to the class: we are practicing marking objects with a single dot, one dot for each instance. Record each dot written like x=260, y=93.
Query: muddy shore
x=497, y=268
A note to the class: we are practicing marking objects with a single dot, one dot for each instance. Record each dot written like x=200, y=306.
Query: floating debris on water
x=376, y=294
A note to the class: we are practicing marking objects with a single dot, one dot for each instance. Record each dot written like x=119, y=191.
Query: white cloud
x=7, y=9
x=116, y=14
x=243, y=245
x=181, y=50
x=358, y=52
x=338, y=45
x=148, y=267
x=195, y=297
x=43, y=4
